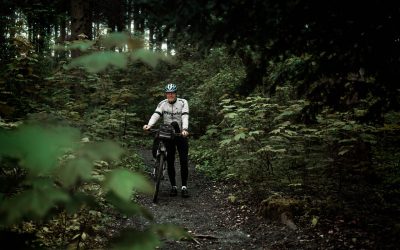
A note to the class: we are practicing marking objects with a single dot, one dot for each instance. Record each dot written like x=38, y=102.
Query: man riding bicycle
x=175, y=111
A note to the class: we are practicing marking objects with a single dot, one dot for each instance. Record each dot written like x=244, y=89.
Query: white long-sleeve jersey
x=172, y=112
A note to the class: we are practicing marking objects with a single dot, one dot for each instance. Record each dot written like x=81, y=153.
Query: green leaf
x=239, y=136
x=343, y=152
x=38, y=148
x=33, y=204
x=122, y=182
x=79, y=199
x=232, y=198
x=225, y=142
x=230, y=115
x=106, y=150
x=290, y=132
x=74, y=170
x=348, y=141
x=115, y=39
x=370, y=138
x=338, y=123
x=284, y=115
x=360, y=112
x=268, y=148
x=275, y=131
x=314, y=221
x=127, y=207
x=149, y=239
x=149, y=57
x=99, y=61
x=229, y=106
x=392, y=117
x=348, y=127
x=170, y=231
x=281, y=150
x=243, y=110
x=135, y=240
x=257, y=132
x=280, y=139
x=285, y=124
x=212, y=131
x=225, y=101
x=82, y=45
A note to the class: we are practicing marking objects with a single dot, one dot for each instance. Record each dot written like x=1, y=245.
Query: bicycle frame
x=161, y=149
x=161, y=163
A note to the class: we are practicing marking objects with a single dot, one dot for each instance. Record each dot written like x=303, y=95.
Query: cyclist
x=175, y=111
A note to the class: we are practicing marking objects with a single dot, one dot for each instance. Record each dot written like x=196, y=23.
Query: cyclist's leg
x=170, y=145
x=183, y=150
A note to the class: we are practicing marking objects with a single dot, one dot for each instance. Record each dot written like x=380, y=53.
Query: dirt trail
x=216, y=222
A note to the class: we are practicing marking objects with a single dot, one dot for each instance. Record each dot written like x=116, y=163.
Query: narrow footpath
x=214, y=220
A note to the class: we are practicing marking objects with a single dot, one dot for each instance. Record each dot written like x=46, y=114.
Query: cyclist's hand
x=146, y=127
x=185, y=133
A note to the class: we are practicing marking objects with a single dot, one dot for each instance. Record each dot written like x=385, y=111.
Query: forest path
x=213, y=220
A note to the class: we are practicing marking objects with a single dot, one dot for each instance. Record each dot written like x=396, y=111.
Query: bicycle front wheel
x=158, y=176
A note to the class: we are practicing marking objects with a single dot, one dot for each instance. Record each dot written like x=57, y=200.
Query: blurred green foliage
x=54, y=176
x=57, y=165
x=39, y=150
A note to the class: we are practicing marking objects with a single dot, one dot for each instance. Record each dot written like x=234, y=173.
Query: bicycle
x=165, y=132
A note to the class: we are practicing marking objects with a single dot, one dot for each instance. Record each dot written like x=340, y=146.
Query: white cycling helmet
x=169, y=88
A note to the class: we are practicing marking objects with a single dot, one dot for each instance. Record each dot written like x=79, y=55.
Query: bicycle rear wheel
x=158, y=177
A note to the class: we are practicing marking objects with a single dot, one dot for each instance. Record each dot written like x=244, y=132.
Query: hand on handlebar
x=185, y=133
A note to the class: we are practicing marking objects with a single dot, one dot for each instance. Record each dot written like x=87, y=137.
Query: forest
x=294, y=123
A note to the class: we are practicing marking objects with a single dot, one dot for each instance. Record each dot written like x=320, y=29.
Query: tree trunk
x=116, y=16
x=151, y=37
x=63, y=30
x=34, y=35
x=171, y=40
x=129, y=15
x=159, y=39
x=41, y=36
x=5, y=11
x=255, y=71
x=63, y=37
x=80, y=21
x=138, y=19
x=30, y=32
x=3, y=39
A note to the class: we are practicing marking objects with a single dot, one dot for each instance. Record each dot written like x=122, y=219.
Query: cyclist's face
x=171, y=96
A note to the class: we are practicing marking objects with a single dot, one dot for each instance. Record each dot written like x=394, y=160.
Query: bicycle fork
x=162, y=149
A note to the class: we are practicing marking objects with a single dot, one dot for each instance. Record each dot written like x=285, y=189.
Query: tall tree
x=81, y=24
x=81, y=21
x=6, y=11
x=139, y=17
x=115, y=12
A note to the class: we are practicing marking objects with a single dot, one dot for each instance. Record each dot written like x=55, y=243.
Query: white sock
x=183, y=187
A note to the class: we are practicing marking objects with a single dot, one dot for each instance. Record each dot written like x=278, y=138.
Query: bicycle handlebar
x=155, y=130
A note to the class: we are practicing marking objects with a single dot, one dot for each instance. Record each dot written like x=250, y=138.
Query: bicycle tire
x=159, y=174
